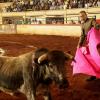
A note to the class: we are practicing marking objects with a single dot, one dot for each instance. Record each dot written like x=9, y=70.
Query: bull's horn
x=2, y=52
x=69, y=56
x=42, y=58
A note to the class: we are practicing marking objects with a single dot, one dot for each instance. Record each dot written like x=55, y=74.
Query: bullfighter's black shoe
x=92, y=78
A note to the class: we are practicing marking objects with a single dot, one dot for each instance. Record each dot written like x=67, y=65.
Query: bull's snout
x=63, y=84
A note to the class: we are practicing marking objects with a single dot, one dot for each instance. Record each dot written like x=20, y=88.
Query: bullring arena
x=23, y=38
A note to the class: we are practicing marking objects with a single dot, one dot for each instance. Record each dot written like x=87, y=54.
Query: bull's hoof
x=47, y=96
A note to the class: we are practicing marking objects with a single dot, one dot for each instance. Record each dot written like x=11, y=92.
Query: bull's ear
x=42, y=58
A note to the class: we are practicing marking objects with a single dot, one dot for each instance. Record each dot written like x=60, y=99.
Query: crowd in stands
x=4, y=1
x=36, y=5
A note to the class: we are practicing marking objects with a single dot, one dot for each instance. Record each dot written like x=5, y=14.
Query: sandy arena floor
x=79, y=89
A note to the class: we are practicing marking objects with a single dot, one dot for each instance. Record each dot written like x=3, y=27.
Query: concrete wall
x=63, y=30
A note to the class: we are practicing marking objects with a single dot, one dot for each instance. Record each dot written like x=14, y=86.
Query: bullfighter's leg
x=91, y=78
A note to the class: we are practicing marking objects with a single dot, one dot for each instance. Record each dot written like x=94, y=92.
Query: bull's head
x=55, y=68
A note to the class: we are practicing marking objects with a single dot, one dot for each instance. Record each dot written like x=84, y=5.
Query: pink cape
x=87, y=59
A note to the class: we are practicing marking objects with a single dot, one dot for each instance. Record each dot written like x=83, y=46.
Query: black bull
x=27, y=71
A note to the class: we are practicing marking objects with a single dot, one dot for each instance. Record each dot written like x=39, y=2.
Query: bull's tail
x=2, y=52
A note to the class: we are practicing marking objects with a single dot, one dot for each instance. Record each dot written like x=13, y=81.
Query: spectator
x=98, y=3
x=72, y=22
x=26, y=5
x=54, y=21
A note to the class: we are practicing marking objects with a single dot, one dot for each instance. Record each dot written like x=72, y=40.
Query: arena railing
x=8, y=28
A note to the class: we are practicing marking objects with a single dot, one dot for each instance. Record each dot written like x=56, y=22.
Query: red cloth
x=87, y=58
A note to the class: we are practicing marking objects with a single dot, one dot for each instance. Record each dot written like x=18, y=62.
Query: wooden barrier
x=62, y=30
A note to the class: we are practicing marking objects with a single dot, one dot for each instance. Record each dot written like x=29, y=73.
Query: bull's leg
x=28, y=91
x=7, y=91
x=30, y=96
x=47, y=94
x=28, y=88
x=10, y=92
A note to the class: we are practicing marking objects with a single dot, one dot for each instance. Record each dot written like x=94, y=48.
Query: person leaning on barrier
x=86, y=25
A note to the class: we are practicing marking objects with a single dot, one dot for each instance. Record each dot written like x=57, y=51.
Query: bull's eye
x=52, y=67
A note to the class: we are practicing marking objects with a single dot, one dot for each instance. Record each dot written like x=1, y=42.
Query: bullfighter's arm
x=82, y=38
x=95, y=24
